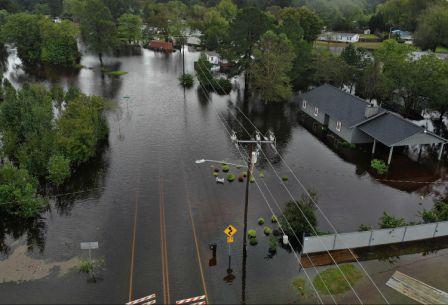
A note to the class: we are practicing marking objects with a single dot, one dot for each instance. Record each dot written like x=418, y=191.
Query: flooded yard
x=148, y=166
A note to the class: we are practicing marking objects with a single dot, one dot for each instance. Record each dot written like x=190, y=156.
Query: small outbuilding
x=160, y=45
x=339, y=37
x=357, y=121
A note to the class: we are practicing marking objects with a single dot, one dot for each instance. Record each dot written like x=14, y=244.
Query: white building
x=212, y=57
x=339, y=37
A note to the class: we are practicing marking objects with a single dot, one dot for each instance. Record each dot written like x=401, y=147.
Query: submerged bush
x=231, y=177
x=225, y=168
x=186, y=80
x=267, y=230
x=215, y=174
x=274, y=219
x=285, y=178
x=272, y=244
x=363, y=227
x=261, y=221
x=253, y=241
x=388, y=221
x=252, y=234
x=379, y=166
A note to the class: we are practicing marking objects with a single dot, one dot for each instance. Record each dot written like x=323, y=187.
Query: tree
x=214, y=28
x=24, y=31
x=55, y=7
x=18, y=192
x=245, y=31
x=81, y=127
x=59, y=46
x=119, y=7
x=58, y=169
x=300, y=217
x=329, y=68
x=129, y=28
x=432, y=29
x=269, y=71
x=98, y=29
x=310, y=23
x=227, y=9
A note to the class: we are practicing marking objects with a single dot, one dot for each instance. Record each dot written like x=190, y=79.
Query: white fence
x=313, y=244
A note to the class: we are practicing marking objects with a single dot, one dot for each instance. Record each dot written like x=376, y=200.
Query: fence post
x=334, y=241
x=404, y=233
x=435, y=230
x=370, y=239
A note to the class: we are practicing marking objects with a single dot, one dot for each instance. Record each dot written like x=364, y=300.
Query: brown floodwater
x=148, y=166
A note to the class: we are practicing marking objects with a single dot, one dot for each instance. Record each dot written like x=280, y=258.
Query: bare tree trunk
x=100, y=55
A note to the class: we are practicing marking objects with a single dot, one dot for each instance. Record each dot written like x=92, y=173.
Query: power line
x=300, y=263
x=306, y=218
x=315, y=203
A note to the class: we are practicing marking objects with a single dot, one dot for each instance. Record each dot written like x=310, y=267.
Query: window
x=304, y=104
x=338, y=125
x=316, y=111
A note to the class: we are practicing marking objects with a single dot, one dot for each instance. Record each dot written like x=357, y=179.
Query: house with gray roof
x=358, y=121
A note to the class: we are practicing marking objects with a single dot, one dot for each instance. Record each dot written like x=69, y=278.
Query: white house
x=339, y=37
x=212, y=57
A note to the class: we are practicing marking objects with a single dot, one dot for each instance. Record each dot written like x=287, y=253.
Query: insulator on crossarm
x=233, y=137
x=258, y=136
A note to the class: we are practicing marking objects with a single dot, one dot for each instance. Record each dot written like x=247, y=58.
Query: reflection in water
x=15, y=228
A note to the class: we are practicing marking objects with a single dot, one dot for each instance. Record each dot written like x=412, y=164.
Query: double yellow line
x=163, y=245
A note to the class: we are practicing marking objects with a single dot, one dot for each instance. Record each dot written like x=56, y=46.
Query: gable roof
x=338, y=104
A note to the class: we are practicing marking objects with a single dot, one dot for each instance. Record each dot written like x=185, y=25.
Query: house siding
x=310, y=111
x=359, y=137
x=345, y=133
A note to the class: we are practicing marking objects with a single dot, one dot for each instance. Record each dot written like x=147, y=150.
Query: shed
x=160, y=45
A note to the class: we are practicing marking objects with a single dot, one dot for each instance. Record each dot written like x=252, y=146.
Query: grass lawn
x=299, y=285
x=364, y=45
x=334, y=280
x=117, y=73
x=442, y=50
x=368, y=36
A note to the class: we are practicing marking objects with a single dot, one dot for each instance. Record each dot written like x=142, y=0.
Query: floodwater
x=154, y=211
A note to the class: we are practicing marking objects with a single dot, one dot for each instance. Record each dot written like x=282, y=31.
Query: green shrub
x=267, y=230
x=58, y=169
x=253, y=241
x=215, y=174
x=224, y=86
x=388, y=221
x=261, y=175
x=252, y=234
x=272, y=244
x=348, y=145
x=231, y=177
x=285, y=178
x=186, y=80
x=274, y=219
x=379, y=166
x=363, y=227
x=252, y=179
x=225, y=168
x=238, y=166
x=261, y=221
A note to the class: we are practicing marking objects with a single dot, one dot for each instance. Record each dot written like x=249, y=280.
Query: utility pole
x=270, y=139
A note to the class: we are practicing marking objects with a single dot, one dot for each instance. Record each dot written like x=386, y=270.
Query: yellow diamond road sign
x=230, y=230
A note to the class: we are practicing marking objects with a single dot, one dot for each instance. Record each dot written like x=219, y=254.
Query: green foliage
x=91, y=266
x=186, y=80
x=97, y=26
x=298, y=214
x=389, y=222
x=18, y=192
x=274, y=219
x=379, y=166
x=130, y=28
x=267, y=230
x=252, y=234
x=58, y=169
x=299, y=285
x=261, y=221
x=59, y=46
x=269, y=71
x=253, y=241
x=439, y=212
x=117, y=73
x=363, y=227
x=231, y=177
x=261, y=175
x=81, y=127
x=215, y=174
x=206, y=79
x=337, y=280
x=225, y=168
x=272, y=244
x=24, y=31
x=57, y=94
x=285, y=178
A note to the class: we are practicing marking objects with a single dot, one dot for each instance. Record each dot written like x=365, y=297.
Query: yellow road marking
x=131, y=271
x=163, y=246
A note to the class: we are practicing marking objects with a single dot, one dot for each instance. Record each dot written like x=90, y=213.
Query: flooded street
x=154, y=211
